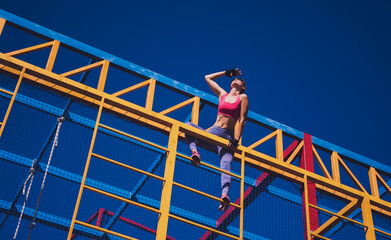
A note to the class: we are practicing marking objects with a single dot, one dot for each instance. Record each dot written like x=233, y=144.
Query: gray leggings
x=225, y=155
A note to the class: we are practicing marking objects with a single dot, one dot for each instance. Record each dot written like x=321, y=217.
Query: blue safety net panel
x=382, y=222
x=344, y=229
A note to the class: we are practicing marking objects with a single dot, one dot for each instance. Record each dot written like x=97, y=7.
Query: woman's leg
x=193, y=141
x=226, y=157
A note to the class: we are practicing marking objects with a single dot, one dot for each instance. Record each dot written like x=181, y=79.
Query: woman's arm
x=242, y=119
x=210, y=80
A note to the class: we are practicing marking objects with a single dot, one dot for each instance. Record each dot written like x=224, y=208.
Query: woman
x=233, y=108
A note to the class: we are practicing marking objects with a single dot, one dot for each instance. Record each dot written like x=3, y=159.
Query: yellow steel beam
x=86, y=169
x=2, y=24
x=195, y=112
x=178, y=106
x=127, y=166
x=279, y=146
x=30, y=49
x=103, y=76
x=202, y=193
x=131, y=88
x=133, y=137
x=82, y=69
x=383, y=232
x=318, y=236
x=203, y=227
x=52, y=56
x=211, y=166
x=351, y=175
x=329, y=224
x=241, y=221
x=150, y=94
x=340, y=216
x=295, y=152
x=11, y=103
x=6, y=92
x=320, y=163
x=335, y=167
x=104, y=230
x=122, y=199
x=259, y=142
x=167, y=187
x=373, y=182
x=367, y=218
x=91, y=96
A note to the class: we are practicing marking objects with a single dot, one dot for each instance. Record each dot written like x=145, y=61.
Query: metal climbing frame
x=279, y=165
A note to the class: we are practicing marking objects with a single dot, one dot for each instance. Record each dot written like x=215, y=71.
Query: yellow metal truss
x=96, y=97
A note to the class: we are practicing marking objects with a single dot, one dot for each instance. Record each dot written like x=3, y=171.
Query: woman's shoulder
x=243, y=96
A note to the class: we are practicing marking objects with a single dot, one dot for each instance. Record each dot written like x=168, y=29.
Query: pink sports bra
x=229, y=109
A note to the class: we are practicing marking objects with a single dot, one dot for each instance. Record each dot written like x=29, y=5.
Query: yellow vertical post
x=195, y=113
x=103, y=75
x=307, y=208
x=335, y=167
x=12, y=101
x=86, y=169
x=242, y=196
x=2, y=24
x=150, y=94
x=367, y=218
x=279, y=146
x=52, y=55
x=167, y=186
x=373, y=182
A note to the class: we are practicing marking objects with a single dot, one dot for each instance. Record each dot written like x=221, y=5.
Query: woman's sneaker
x=196, y=158
x=224, y=206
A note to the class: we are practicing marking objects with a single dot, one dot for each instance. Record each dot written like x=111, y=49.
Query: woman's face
x=238, y=82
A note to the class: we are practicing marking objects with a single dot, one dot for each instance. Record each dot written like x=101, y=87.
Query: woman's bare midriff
x=225, y=122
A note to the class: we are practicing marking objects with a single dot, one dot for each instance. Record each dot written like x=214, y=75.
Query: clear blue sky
x=322, y=67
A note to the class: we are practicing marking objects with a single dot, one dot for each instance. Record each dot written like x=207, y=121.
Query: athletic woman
x=233, y=108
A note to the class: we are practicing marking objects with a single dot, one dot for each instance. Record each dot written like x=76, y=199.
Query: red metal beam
x=103, y=211
x=307, y=163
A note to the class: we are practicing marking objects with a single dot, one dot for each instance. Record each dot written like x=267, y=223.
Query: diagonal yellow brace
x=2, y=24
x=178, y=106
x=320, y=163
x=295, y=152
x=30, y=49
x=12, y=101
x=385, y=185
x=131, y=88
x=351, y=175
x=259, y=142
x=329, y=224
x=82, y=69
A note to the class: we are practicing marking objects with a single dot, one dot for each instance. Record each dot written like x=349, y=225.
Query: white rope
x=31, y=176
x=55, y=144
